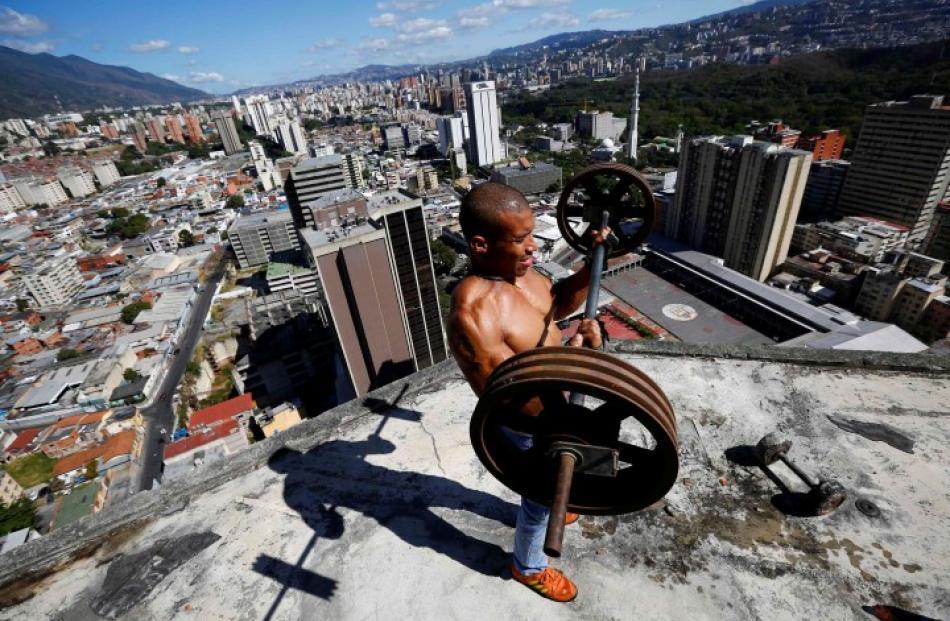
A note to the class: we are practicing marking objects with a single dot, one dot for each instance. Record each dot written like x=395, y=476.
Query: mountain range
x=32, y=83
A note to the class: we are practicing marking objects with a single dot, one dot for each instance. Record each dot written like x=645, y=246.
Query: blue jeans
x=532, y=522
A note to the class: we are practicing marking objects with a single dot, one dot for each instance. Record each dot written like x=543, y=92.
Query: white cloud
x=468, y=22
x=96, y=47
x=386, y=19
x=552, y=20
x=30, y=47
x=199, y=77
x=20, y=24
x=606, y=15
x=421, y=24
x=439, y=33
x=324, y=44
x=374, y=45
x=149, y=46
x=188, y=49
x=171, y=76
x=482, y=15
x=408, y=6
x=531, y=4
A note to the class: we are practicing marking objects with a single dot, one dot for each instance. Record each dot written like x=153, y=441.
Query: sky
x=223, y=45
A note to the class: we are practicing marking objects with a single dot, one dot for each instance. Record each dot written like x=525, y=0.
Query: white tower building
x=634, y=118
x=484, y=122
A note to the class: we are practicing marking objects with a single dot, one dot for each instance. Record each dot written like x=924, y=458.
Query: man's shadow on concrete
x=337, y=474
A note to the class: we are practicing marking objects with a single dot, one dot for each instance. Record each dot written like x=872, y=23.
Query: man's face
x=510, y=252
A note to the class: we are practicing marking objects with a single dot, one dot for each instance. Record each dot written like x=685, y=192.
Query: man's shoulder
x=472, y=291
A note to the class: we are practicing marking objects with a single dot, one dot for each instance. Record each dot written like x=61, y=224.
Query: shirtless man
x=502, y=308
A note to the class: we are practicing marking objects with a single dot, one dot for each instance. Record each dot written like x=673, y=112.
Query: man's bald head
x=483, y=208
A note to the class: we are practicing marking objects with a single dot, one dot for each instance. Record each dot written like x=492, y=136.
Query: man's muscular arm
x=478, y=343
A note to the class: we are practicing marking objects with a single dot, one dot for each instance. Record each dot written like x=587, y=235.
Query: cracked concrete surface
x=388, y=514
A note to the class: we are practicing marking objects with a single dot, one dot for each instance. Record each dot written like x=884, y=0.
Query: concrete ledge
x=834, y=358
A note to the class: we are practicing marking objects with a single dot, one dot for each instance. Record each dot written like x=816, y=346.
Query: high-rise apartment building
x=309, y=180
x=106, y=172
x=174, y=129
x=224, y=123
x=80, y=183
x=823, y=190
x=54, y=284
x=484, y=123
x=353, y=168
x=291, y=137
x=899, y=169
x=395, y=137
x=108, y=131
x=828, y=145
x=155, y=129
x=937, y=244
x=738, y=199
x=260, y=237
x=36, y=192
x=10, y=199
x=380, y=288
x=193, y=126
x=259, y=111
x=138, y=137
x=451, y=134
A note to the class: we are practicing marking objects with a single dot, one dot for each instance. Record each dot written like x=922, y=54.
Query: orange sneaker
x=549, y=583
x=570, y=518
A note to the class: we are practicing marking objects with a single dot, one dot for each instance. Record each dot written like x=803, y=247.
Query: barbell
x=618, y=456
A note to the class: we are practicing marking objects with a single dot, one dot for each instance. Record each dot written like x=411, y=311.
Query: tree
x=92, y=470
x=131, y=375
x=22, y=305
x=443, y=257
x=131, y=311
x=17, y=516
x=235, y=201
x=120, y=212
x=66, y=353
x=131, y=227
x=185, y=238
x=193, y=367
x=161, y=182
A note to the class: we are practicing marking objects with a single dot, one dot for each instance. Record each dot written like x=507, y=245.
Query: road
x=160, y=414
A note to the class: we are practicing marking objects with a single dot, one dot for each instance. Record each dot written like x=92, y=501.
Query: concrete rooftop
x=374, y=511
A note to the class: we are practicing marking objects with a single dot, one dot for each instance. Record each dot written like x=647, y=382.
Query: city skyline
x=312, y=43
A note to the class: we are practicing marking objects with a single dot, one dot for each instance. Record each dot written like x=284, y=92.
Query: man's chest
x=527, y=317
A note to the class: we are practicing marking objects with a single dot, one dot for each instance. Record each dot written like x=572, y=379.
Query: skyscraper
x=226, y=130
x=309, y=180
x=291, y=137
x=899, y=170
x=738, y=199
x=174, y=129
x=451, y=134
x=155, y=129
x=257, y=238
x=379, y=285
x=194, y=128
x=484, y=121
x=138, y=137
x=259, y=111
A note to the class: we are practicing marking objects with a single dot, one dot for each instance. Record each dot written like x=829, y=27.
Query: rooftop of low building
x=379, y=507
